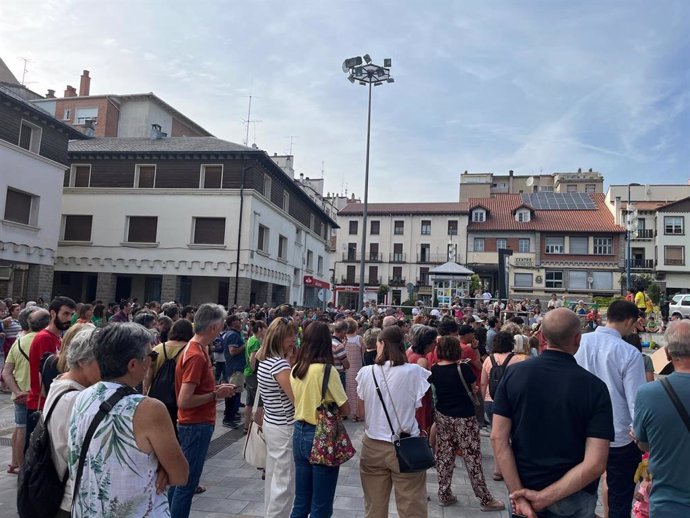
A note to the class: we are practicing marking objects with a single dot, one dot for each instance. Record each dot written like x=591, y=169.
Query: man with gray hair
x=662, y=427
x=338, y=340
x=197, y=394
x=552, y=466
x=15, y=373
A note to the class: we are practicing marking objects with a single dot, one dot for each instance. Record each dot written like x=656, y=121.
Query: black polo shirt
x=554, y=405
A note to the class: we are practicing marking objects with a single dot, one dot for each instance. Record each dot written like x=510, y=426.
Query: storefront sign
x=523, y=261
x=315, y=283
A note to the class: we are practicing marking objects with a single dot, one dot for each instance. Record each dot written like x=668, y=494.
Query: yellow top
x=639, y=300
x=307, y=392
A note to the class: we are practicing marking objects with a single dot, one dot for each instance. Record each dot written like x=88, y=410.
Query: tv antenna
x=26, y=61
x=248, y=121
x=292, y=142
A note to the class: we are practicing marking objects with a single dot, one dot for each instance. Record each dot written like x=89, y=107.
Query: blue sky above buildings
x=481, y=86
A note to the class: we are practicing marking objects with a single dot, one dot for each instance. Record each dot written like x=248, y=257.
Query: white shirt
x=487, y=297
x=618, y=364
x=407, y=384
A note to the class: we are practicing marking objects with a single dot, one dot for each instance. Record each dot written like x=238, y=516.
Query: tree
x=475, y=284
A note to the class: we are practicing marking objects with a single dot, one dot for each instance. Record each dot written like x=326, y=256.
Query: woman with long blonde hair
x=275, y=392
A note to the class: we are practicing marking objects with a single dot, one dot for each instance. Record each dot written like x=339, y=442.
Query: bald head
x=678, y=339
x=38, y=320
x=389, y=321
x=561, y=327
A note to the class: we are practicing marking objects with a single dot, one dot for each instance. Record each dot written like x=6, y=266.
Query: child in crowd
x=642, y=475
x=652, y=325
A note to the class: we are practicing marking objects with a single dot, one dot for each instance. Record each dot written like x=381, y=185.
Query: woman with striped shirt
x=273, y=374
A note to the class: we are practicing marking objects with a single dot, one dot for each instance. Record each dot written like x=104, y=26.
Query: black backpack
x=40, y=489
x=496, y=373
x=163, y=384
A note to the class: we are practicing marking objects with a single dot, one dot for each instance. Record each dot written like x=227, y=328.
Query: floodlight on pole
x=368, y=74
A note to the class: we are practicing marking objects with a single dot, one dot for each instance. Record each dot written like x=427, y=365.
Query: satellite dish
x=530, y=181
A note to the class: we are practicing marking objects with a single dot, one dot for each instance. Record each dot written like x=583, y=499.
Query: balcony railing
x=396, y=281
x=372, y=281
x=370, y=257
x=347, y=280
x=350, y=257
x=645, y=233
x=642, y=264
x=424, y=281
x=398, y=257
x=431, y=258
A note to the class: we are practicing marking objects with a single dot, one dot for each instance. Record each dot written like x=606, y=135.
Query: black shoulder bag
x=414, y=453
x=676, y=402
x=103, y=411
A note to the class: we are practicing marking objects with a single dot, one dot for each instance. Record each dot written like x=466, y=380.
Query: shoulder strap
x=464, y=383
x=324, y=384
x=385, y=410
x=19, y=346
x=676, y=402
x=507, y=360
x=178, y=353
x=103, y=410
x=165, y=353
x=57, y=398
x=494, y=363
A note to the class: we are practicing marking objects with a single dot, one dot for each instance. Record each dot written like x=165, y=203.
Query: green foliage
x=605, y=302
x=654, y=293
x=640, y=281
x=383, y=289
x=475, y=284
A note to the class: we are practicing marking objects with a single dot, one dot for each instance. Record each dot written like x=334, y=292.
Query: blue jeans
x=314, y=484
x=577, y=505
x=194, y=440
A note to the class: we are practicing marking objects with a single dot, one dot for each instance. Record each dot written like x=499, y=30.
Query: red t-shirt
x=195, y=367
x=43, y=342
x=469, y=353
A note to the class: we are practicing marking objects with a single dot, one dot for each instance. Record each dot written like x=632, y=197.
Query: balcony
x=424, y=281
x=429, y=258
x=396, y=281
x=347, y=280
x=354, y=257
x=642, y=264
x=397, y=257
x=372, y=281
x=645, y=233
x=374, y=257
x=351, y=257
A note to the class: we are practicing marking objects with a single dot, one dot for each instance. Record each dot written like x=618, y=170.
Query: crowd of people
x=566, y=400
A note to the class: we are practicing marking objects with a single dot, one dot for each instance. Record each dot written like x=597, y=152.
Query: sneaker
x=231, y=424
x=494, y=505
x=452, y=500
x=485, y=432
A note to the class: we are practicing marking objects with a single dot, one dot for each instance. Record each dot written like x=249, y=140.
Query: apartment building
x=193, y=219
x=33, y=158
x=561, y=242
x=672, y=246
x=404, y=242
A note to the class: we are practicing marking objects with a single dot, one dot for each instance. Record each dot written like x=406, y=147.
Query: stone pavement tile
x=349, y=503
x=254, y=509
x=219, y=505
x=250, y=493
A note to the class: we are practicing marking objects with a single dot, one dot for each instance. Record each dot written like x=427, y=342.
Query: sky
x=531, y=85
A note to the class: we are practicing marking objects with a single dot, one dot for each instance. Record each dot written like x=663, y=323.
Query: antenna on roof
x=248, y=122
x=292, y=141
x=26, y=61
x=530, y=181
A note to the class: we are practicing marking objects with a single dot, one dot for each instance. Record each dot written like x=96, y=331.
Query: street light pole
x=628, y=238
x=371, y=75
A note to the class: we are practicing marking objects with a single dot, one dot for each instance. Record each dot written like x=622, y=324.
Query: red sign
x=316, y=283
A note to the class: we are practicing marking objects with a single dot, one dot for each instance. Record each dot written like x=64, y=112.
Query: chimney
x=156, y=132
x=590, y=169
x=84, y=84
x=579, y=169
x=50, y=94
x=70, y=91
x=617, y=210
x=510, y=173
x=88, y=128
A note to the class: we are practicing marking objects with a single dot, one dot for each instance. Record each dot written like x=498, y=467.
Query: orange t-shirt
x=194, y=366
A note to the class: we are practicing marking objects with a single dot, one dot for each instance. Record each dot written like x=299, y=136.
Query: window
x=426, y=227
x=350, y=276
x=211, y=176
x=674, y=255
x=641, y=224
x=209, y=231
x=21, y=207
x=145, y=176
x=267, y=186
x=77, y=228
x=399, y=228
x=501, y=243
x=282, y=247
x=571, y=188
x=398, y=255
x=30, y=137
x=373, y=275
x=86, y=114
x=674, y=225
x=554, y=245
x=523, y=246
x=452, y=227
x=352, y=251
x=577, y=280
x=310, y=260
x=579, y=245
x=452, y=252
x=479, y=215
x=523, y=216
x=590, y=187
x=373, y=251
x=478, y=244
x=601, y=280
x=546, y=188
x=424, y=253
x=603, y=246
x=81, y=175
x=522, y=280
x=286, y=201
x=142, y=229
x=319, y=265
x=397, y=274
x=424, y=276
x=262, y=241
x=375, y=228
x=554, y=279
x=354, y=228
x=66, y=114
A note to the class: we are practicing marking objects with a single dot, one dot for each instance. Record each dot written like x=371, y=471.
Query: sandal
x=494, y=505
x=445, y=503
x=12, y=470
x=199, y=490
x=497, y=477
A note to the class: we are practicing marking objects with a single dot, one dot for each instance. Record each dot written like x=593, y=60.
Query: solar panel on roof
x=559, y=201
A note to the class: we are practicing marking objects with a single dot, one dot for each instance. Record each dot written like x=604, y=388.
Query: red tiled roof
x=354, y=209
x=645, y=205
x=501, y=216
